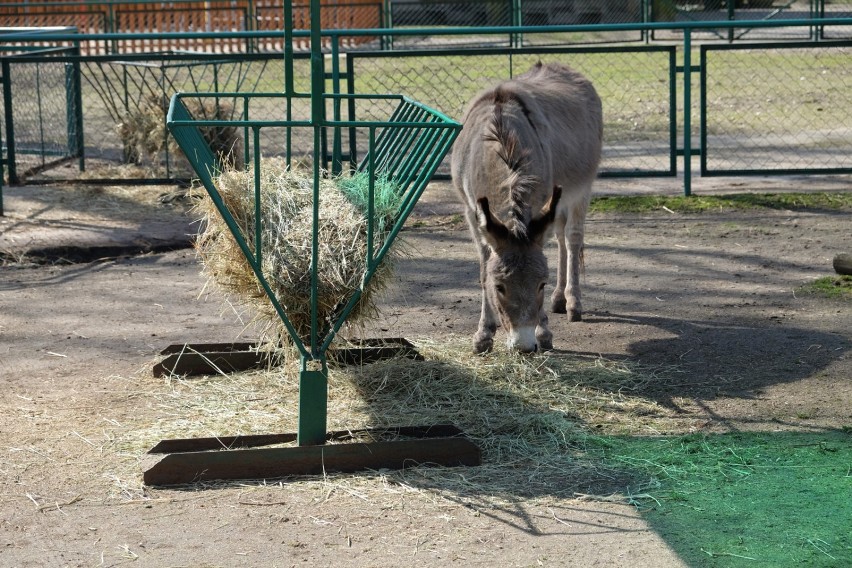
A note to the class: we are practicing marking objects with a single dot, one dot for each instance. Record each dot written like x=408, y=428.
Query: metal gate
x=42, y=111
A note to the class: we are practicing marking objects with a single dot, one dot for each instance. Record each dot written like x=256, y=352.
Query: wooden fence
x=133, y=16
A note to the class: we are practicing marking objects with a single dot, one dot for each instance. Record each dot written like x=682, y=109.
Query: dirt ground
x=714, y=294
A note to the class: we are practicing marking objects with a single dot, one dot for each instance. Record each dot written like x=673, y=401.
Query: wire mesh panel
x=776, y=108
x=495, y=13
x=354, y=14
x=181, y=19
x=835, y=9
x=721, y=10
x=89, y=21
x=636, y=85
x=584, y=12
x=40, y=100
x=450, y=13
x=125, y=102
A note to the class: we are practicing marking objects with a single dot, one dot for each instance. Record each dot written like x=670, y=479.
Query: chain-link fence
x=634, y=82
x=125, y=103
x=493, y=13
x=752, y=10
x=40, y=106
x=776, y=108
x=97, y=17
x=756, y=108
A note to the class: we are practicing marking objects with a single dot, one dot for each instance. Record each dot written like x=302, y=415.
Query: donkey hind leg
x=574, y=306
x=483, y=339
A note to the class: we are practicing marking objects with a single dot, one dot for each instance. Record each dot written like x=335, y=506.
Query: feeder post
x=313, y=402
x=313, y=377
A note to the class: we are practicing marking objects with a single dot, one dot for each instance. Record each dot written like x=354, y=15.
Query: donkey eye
x=500, y=289
x=541, y=287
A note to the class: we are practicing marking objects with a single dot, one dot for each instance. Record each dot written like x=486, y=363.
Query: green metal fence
x=640, y=121
x=776, y=108
x=41, y=110
x=754, y=108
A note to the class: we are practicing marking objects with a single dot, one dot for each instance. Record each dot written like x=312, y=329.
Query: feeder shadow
x=529, y=449
x=74, y=224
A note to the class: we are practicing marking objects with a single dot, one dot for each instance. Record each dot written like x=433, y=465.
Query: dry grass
x=144, y=135
x=286, y=205
x=532, y=416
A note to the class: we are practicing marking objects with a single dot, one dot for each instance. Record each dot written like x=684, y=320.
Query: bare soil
x=715, y=295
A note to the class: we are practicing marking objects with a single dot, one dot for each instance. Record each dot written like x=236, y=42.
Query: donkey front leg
x=572, y=292
x=483, y=339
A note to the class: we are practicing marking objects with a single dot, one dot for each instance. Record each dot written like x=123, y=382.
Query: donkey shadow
x=705, y=359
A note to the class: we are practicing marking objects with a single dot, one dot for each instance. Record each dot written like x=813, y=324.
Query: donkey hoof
x=576, y=315
x=559, y=307
x=482, y=345
x=545, y=344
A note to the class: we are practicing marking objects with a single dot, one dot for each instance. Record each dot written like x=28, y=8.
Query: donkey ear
x=494, y=230
x=538, y=227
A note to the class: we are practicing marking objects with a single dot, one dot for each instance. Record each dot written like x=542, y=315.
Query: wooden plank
x=209, y=347
x=179, y=469
x=372, y=350
x=211, y=358
x=209, y=363
x=186, y=445
x=257, y=440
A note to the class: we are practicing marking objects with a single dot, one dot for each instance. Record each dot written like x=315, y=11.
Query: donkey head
x=516, y=272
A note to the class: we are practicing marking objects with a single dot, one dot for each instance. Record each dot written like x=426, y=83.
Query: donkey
x=524, y=164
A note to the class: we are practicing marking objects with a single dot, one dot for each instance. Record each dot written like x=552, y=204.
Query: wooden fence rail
x=130, y=16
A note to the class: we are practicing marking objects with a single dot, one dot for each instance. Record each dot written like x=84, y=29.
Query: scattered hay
x=144, y=134
x=286, y=240
x=536, y=418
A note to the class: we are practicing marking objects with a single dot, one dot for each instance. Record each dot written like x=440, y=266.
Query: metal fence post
x=687, y=111
x=74, y=106
x=313, y=378
x=3, y=85
x=10, y=123
x=386, y=21
x=517, y=14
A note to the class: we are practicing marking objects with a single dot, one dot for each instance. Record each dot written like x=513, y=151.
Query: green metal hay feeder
x=407, y=148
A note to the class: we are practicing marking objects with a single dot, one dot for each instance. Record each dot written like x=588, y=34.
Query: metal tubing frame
x=423, y=127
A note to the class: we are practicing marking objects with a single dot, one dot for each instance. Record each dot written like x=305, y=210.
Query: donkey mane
x=521, y=183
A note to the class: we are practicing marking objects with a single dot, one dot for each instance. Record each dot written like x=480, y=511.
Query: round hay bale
x=286, y=206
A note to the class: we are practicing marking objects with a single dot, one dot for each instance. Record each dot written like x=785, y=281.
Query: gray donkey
x=524, y=163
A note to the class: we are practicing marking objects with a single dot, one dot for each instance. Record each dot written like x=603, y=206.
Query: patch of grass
x=823, y=201
x=838, y=286
x=746, y=499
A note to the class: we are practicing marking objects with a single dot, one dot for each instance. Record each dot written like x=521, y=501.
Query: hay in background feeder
x=286, y=206
x=144, y=136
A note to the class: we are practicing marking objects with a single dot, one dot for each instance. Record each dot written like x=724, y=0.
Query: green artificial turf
x=745, y=499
